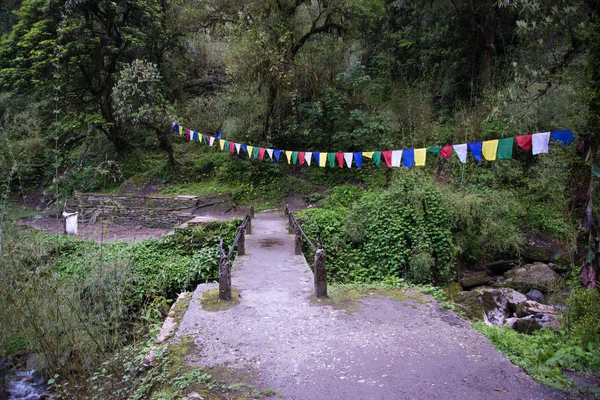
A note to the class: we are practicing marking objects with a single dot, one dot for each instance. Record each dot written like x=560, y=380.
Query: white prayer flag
x=461, y=152
x=396, y=158
x=539, y=142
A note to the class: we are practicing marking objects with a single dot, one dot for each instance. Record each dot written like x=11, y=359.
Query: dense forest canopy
x=94, y=85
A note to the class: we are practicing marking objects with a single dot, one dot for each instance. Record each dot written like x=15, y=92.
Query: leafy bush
x=75, y=301
x=402, y=232
x=584, y=315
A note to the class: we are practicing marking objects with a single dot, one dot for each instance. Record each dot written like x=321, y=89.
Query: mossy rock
x=529, y=277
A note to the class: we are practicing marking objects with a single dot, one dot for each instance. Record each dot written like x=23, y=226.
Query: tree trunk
x=271, y=101
x=166, y=145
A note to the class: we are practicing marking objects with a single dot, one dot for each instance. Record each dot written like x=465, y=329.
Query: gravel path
x=388, y=350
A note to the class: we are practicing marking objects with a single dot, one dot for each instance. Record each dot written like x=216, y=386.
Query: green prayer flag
x=435, y=149
x=255, y=151
x=226, y=146
x=204, y=139
x=595, y=171
x=505, y=148
x=377, y=158
x=294, y=157
x=331, y=159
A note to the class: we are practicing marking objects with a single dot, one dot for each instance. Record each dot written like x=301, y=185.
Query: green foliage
x=398, y=233
x=485, y=222
x=584, y=315
x=544, y=354
x=66, y=296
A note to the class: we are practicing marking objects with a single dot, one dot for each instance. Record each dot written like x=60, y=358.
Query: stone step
x=197, y=221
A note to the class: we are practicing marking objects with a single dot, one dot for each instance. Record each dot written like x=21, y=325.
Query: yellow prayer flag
x=288, y=154
x=222, y=144
x=368, y=154
x=180, y=130
x=322, y=160
x=420, y=155
x=489, y=149
x=250, y=148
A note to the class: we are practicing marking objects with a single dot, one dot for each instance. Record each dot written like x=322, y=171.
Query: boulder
x=501, y=266
x=490, y=305
x=531, y=307
x=528, y=277
x=541, y=247
x=476, y=279
x=536, y=322
x=536, y=295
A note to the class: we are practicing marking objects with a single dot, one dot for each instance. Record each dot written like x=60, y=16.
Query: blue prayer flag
x=219, y=134
x=475, y=148
x=564, y=137
x=408, y=158
x=358, y=158
x=317, y=157
x=244, y=148
x=277, y=154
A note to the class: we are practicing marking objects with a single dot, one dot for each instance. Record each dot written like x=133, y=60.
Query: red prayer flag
x=261, y=152
x=524, y=142
x=387, y=156
x=301, y=157
x=207, y=139
x=446, y=151
x=187, y=134
x=232, y=147
x=340, y=158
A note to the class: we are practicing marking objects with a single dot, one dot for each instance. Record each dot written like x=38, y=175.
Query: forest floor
x=282, y=340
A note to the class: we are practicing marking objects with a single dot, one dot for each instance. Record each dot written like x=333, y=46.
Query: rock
x=501, y=266
x=476, y=279
x=531, y=323
x=528, y=277
x=536, y=295
x=541, y=247
x=510, y=322
x=492, y=306
x=531, y=307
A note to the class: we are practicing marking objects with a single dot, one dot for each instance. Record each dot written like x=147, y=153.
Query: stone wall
x=147, y=211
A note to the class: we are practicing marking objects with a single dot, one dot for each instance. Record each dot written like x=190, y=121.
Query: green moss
x=348, y=297
x=210, y=300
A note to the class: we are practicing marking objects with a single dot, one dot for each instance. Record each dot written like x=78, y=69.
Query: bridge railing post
x=241, y=244
x=251, y=211
x=320, y=273
x=249, y=224
x=298, y=242
x=224, y=279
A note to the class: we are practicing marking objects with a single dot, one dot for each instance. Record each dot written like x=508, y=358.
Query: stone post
x=290, y=224
x=286, y=210
x=251, y=211
x=224, y=279
x=241, y=245
x=320, y=273
x=298, y=242
x=249, y=225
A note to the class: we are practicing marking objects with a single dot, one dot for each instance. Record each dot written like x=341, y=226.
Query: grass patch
x=210, y=300
x=197, y=188
x=348, y=296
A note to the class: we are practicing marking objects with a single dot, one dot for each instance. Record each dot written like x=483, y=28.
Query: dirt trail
x=388, y=350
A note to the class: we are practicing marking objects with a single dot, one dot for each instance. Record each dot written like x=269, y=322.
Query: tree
x=138, y=99
x=79, y=51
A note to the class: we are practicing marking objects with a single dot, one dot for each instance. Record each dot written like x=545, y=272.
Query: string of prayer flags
x=490, y=150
